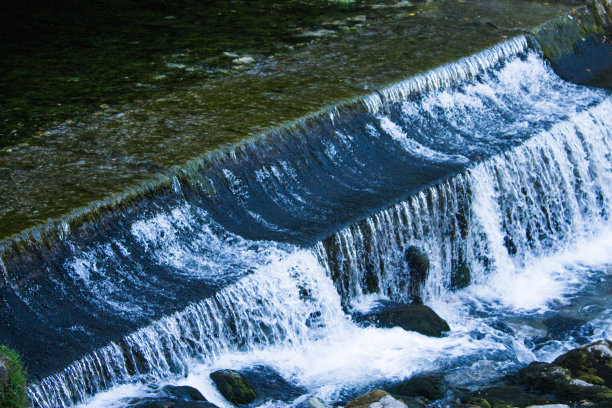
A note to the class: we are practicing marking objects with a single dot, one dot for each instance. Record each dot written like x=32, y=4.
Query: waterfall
x=532, y=199
x=285, y=301
x=483, y=165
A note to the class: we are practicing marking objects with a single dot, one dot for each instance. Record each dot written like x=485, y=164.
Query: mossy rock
x=591, y=363
x=575, y=391
x=413, y=402
x=428, y=386
x=481, y=403
x=556, y=380
x=12, y=380
x=506, y=395
x=234, y=387
x=542, y=377
x=378, y=398
x=367, y=399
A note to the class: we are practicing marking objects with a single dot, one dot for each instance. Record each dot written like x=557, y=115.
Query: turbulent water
x=492, y=164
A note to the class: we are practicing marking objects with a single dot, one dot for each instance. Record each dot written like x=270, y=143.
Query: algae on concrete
x=184, y=97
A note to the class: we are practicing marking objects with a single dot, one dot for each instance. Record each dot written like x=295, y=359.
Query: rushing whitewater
x=494, y=166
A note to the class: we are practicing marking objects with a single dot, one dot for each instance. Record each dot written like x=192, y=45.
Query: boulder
x=542, y=377
x=505, y=395
x=413, y=402
x=418, y=318
x=428, y=386
x=270, y=385
x=234, y=387
x=558, y=381
x=591, y=363
x=578, y=390
x=183, y=392
x=376, y=399
x=168, y=403
x=312, y=402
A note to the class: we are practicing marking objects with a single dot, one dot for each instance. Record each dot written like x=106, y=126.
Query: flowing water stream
x=492, y=164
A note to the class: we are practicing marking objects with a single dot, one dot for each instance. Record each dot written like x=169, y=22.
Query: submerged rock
x=312, y=402
x=376, y=399
x=234, y=387
x=183, y=392
x=419, y=318
x=244, y=60
x=428, y=386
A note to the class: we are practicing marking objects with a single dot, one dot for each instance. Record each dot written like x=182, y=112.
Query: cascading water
x=495, y=167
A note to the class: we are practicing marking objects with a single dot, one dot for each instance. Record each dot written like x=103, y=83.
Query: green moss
x=482, y=402
x=13, y=393
x=234, y=387
x=591, y=378
x=560, y=37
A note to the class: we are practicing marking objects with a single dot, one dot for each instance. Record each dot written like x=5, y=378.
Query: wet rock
x=418, y=263
x=549, y=406
x=591, y=363
x=543, y=377
x=183, y=392
x=270, y=385
x=376, y=399
x=577, y=391
x=312, y=402
x=169, y=403
x=558, y=381
x=419, y=318
x=428, y=386
x=234, y=387
x=460, y=276
x=413, y=402
x=506, y=395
